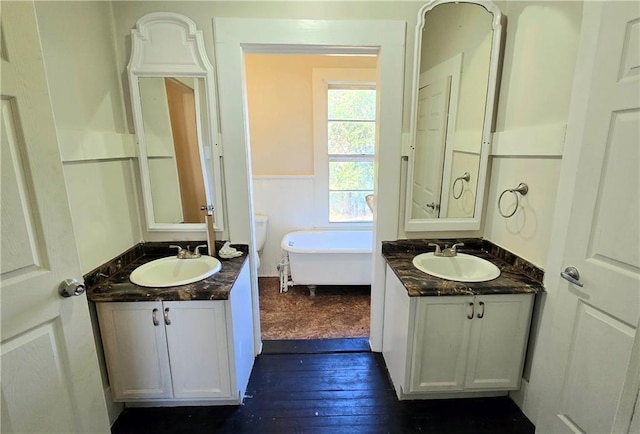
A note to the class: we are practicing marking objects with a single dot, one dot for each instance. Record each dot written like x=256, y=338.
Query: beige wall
x=279, y=94
x=86, y=95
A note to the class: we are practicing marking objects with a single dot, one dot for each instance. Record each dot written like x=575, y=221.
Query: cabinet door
x=441, y=338
x=197, y=340
x=136, y=350
x=498, y=341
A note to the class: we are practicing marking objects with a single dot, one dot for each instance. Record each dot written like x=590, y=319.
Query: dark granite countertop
x=517, y=276
x=110, y=282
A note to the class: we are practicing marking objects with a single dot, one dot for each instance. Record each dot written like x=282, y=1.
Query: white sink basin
x=461, y=268
x=172, y=271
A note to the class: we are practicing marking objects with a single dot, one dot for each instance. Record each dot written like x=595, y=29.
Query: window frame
x=322, y=80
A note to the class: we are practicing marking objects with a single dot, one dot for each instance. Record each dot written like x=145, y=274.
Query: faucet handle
x=182, y=253
x=455, y=246
x=452, y=251
x=196, y=252
x=438, y=251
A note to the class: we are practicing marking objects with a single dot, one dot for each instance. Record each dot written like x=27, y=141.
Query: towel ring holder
x=522, y=188
x=465, y=177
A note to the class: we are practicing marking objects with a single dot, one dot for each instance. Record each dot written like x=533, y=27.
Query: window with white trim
x=351, y=137
x=344, y=137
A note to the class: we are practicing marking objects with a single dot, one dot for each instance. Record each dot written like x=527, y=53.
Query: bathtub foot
x=312, y=291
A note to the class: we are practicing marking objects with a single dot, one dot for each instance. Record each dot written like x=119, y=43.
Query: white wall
x=86, y=95
x=88, y=100
x=528, y=232
x=532, y=114
x=539, y=58
x=287, y=201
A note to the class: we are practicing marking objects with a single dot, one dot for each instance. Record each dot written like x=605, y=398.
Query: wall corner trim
x=536, y=141
x=85, y=145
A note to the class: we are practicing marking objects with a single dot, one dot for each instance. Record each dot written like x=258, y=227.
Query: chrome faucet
x=186, y=254
x=448, y=252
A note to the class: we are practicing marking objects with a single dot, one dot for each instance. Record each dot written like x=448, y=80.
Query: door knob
x=434, y=206
x=70, y=288
x=572, y=275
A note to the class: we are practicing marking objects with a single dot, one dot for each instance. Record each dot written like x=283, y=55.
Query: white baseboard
x=519, y=396
x=113, y=408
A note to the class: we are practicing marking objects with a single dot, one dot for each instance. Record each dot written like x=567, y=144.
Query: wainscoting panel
x=288, y=202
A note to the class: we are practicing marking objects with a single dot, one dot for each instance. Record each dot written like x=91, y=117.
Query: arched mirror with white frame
x=457, y=63
x=174, y=109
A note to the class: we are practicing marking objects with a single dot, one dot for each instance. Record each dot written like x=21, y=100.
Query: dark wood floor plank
x=317, y=381
x=275, y=395
x=306, y=362
x=317, y=408
x=335, y=393
x=315, y=346
x=324, y=425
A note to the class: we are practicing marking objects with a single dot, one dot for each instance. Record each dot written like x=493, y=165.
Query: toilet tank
x=261, y=230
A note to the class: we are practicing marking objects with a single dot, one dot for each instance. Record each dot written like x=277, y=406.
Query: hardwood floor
x=329, y=386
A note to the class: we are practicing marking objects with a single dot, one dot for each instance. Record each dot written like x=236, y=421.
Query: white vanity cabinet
x=178, y=350
x=171, y=349
x=454, y=344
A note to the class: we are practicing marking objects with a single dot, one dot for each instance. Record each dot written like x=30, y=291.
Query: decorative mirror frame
x=165, y=44
x=467, y=223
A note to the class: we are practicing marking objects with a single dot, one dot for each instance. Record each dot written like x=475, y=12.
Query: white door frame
x=235, y=36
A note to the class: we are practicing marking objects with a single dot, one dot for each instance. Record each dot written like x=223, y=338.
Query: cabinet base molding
x=519, y=397
x=451, y=395
x=183, y=403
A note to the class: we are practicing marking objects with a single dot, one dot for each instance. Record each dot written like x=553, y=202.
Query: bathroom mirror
x=456, y=66
x=173, y=104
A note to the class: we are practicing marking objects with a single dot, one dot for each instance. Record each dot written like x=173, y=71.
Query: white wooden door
x=197, y=340
x=498, y=341
x=440, y=343
x=431, y=134
x=135, y=346
x=594, y=326
x=50, y=376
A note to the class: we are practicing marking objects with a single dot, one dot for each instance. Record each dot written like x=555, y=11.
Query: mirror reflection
x=174, y=153
x=455, y=59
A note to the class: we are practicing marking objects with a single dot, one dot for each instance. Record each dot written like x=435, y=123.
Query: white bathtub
x=329, y=257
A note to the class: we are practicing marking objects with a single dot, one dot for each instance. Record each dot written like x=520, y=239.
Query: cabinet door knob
x=481, y=313
x=154, y=316
x=470, y=315
x=167, y=321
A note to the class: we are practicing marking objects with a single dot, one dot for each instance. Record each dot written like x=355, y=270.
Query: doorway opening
x=312, y=128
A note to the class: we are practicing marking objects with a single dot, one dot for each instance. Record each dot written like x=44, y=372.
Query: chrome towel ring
x=522, y=188
x=465, y=177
